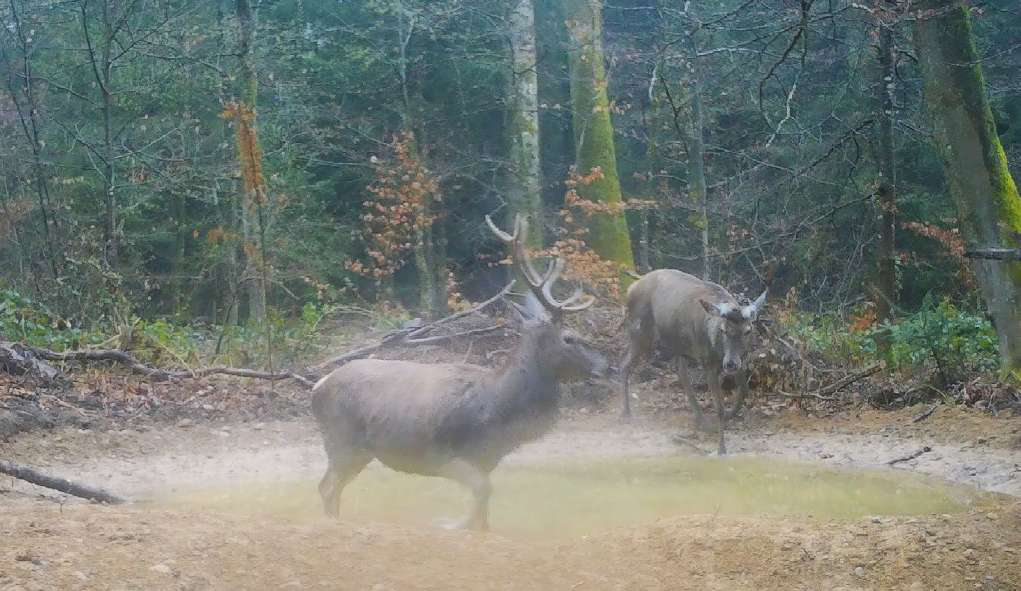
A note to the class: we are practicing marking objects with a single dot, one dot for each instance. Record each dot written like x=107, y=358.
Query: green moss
x=593, y=130
x=987, y=200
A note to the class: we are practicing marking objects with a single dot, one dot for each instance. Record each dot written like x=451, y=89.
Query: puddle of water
x=568, y=500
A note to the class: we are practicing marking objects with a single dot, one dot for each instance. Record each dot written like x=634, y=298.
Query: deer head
x=730, y=327
x=541, y=314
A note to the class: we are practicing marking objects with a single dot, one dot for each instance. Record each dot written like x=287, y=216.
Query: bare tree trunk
x=101, y=62
x=109, y=189
x=230, y=277
x=988, y=205
x=252, y=206
x=696, y=140
x=885, y=88
x=432, y=284
x=526, y=175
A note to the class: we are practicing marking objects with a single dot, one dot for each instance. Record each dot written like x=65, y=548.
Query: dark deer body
x=693, y=320
x=454, y=420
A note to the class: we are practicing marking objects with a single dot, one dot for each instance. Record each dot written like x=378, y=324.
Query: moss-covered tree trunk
x=593, y=130
x=526, y=177
x=988, y=205
x=252, y=210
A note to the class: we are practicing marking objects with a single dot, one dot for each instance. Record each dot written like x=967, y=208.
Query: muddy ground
x=56, y=543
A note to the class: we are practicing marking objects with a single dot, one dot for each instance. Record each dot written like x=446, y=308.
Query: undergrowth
x=281, y=342
x=941, y=336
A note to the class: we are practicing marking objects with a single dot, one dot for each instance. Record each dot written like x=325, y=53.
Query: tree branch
x=65, y=486
x=996, y=254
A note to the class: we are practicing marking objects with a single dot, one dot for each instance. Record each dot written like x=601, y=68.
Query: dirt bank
x=82, y=546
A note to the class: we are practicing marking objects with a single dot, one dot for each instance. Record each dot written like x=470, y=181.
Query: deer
x=457, y=420
x=693, y=320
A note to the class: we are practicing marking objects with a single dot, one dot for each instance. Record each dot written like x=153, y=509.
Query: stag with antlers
x=456, y=421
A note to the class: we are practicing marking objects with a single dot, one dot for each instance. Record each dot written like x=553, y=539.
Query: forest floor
x=175, y=536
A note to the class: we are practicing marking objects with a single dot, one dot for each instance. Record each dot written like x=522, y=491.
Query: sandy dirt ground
x=54, y=543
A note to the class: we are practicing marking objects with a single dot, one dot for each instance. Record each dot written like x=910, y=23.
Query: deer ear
x=710, y=309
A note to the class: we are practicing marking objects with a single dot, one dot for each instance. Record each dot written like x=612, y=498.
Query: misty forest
x=233, y=232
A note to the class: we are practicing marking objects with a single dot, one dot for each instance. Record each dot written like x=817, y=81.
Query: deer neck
x=528, y=377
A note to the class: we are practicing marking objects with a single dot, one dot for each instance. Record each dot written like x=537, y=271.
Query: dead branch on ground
x=19, y=358
x=921, y=417
x=155, y=373
x=414, y=336
x=65, y=486
x=824, y=392
x=843, y=383
x=910, y=456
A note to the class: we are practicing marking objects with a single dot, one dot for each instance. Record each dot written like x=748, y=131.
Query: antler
x=541, y=285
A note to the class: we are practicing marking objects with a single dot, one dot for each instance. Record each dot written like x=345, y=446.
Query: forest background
x=196, y=179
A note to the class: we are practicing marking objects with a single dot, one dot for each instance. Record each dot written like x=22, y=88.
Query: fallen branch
x=19, y=358
x=806, y=395
x=449, y=337
x=921, y=417
x=156, y=373
x=996, y=254
x=414, y=336
x=65, y=486
x=348, y=356
x=910, y=456
x=478, y=308
x=823, y=393
x=847, y=381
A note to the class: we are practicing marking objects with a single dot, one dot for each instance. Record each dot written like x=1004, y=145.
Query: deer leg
x=682, y=374
x=742, y=392
x=477, y=481
x=638, y=348
x=342, y=469
x=625, y=370
x=713, y=377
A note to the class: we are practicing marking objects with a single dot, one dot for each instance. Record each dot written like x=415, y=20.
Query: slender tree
x=988, y=205
x=885, y=20
x=253, y=201
x=526, y=181
x=697, y=190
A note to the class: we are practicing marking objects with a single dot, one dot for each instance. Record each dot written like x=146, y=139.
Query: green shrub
x=828, y=336
x=955, y=341
x=940, y=335
x=24, y=320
